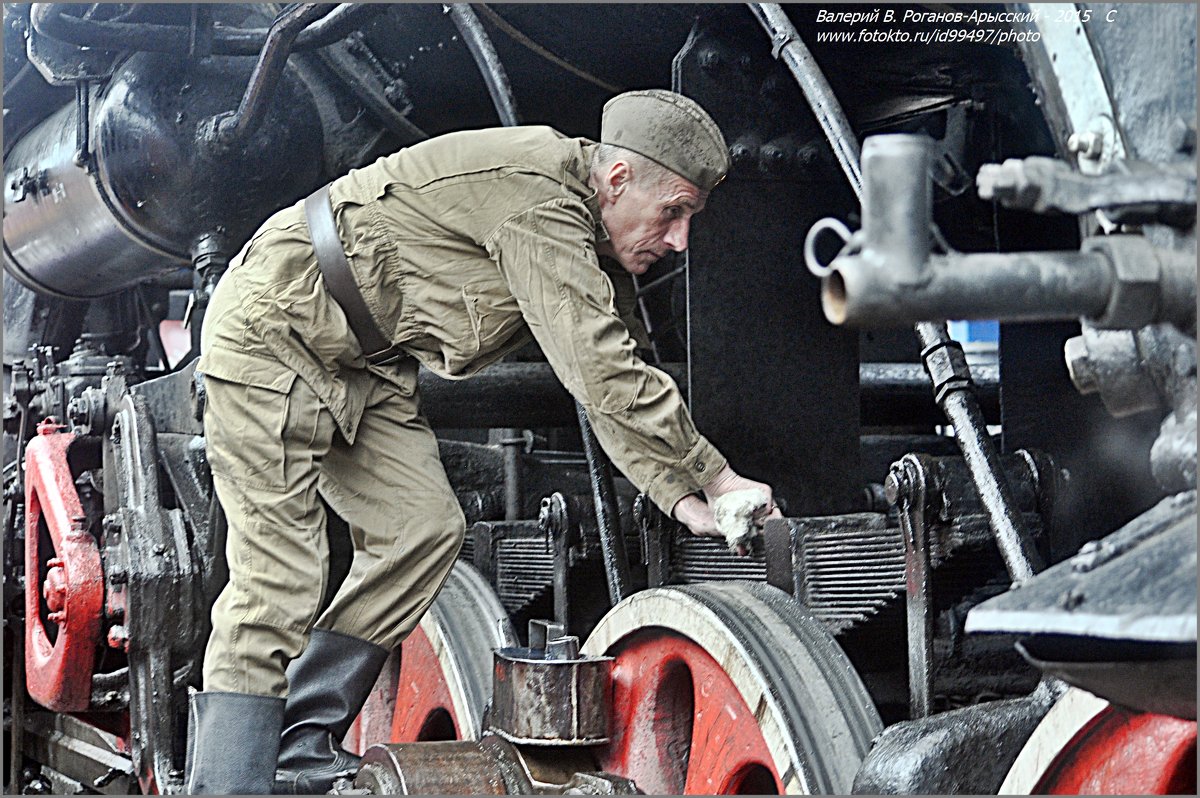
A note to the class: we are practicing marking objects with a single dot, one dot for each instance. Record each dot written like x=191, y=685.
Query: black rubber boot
x=328, y=685
x=232, y=741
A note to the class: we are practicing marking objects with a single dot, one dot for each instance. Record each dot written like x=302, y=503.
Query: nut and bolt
x=55, y=590
x=1080, y=366
x=711, y=60
x=1088, y=145
x=118, y=637
x=1071, y=599
x=893, y=486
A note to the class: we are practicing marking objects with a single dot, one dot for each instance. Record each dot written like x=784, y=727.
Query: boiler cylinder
x=155, y=186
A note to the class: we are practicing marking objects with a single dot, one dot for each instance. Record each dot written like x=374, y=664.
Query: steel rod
x=608, y=518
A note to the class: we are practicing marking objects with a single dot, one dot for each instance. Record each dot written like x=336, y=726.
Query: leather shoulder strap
x=339, y=281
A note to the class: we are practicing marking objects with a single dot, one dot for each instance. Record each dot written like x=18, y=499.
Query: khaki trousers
x=271, y=453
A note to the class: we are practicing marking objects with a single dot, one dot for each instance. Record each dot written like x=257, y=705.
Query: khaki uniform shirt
x=462, y=246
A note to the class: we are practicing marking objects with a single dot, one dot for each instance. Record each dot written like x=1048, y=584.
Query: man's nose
x=677, y=235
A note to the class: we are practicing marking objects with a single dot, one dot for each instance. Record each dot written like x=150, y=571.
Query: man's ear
x=618, y=178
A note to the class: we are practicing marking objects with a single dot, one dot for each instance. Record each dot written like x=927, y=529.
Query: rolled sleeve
x=548, y=260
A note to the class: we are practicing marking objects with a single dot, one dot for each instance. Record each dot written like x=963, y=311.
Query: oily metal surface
x=924, y=756
x=545, y=701
x=460, y=767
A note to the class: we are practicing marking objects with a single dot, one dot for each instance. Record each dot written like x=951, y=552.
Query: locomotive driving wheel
x=1088, y=746
x=730, y=688
x=437, y=685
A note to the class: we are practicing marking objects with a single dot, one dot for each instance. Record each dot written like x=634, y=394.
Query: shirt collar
x=592, y=203
x=592, y=200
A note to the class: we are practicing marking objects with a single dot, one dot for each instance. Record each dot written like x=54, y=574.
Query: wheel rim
x=439, y=685
x=1087, y=746
x=730, y=688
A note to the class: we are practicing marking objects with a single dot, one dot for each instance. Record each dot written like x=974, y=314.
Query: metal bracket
x=906, y=487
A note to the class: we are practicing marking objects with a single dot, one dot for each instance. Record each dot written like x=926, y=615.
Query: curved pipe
x=49, y=20
x=824, y=103
x=333, y=27
x=484, y=53
x=267, y=72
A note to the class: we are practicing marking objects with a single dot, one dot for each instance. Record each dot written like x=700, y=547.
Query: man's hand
x=696, y=515
x=727, y=481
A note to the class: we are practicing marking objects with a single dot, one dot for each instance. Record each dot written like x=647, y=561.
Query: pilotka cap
x=669, y=129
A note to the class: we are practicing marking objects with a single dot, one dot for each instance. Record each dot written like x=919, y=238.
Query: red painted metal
x=424, y=709
x=409, y=706
x=1120, y=752
x=680, y=725
x=59, y=669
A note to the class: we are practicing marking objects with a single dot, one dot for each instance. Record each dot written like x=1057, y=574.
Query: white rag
x=734, y=512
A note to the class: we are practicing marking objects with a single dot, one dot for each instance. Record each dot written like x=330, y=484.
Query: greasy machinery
x=986, y=576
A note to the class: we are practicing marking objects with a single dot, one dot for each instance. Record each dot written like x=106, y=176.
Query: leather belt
x=339, y=281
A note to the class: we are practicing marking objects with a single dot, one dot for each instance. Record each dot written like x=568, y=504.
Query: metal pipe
x=969, y=428
x=824, y=103
x=528, y=395
x=1025, y=286
x=49, y=20
x=898, y=199
x=608, y=518
x=511, y=441
x=267, y=73
x=887, y=276
x=83, y=123
x=480, y=45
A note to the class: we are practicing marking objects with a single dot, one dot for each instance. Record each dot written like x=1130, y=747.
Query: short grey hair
x=645, y=171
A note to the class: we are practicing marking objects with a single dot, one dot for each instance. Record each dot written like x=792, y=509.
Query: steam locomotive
x=986, y=577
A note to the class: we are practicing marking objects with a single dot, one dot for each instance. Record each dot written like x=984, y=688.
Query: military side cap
x=669, y=129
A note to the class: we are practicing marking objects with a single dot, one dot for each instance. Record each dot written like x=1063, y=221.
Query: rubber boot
x=232, y=741
x=328, y=685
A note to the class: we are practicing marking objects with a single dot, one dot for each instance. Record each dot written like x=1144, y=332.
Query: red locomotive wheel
x=60, y=644
x=1087, y=746
x=730, y=688
x=682, y=725
x=438, y=686
x=1121, y=752
x=425, y=708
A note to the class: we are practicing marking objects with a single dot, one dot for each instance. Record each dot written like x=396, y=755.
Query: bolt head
x=1088, y=145
x=710, y=60
x=55, y=590
x=1182, y=137
x=118, y=637
x=891, y=487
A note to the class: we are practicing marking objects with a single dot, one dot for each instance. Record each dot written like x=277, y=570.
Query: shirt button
x=699, y=466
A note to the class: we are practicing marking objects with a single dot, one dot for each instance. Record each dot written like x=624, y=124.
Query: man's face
x=647, y=216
